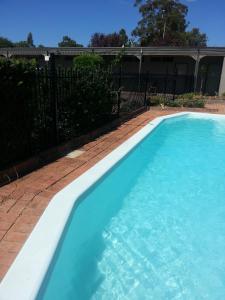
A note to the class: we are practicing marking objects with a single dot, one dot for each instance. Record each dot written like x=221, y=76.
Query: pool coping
x=25, y=276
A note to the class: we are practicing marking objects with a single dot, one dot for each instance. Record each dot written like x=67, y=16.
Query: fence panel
x=132, y=91
x=51, y=106
x=54, y=105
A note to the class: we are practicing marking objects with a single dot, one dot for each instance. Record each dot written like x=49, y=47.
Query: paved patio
x=23, y=201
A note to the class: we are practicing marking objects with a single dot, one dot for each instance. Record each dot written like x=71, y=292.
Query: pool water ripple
x=154, y=228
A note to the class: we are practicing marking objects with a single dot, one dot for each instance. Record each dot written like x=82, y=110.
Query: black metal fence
x=54, y=105
x=67, y=103
x=135, y=89
x=49, y=106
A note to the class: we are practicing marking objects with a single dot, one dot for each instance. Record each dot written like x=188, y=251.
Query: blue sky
x=50, y=20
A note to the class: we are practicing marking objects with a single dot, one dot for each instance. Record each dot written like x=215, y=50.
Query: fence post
x=174, y=83
x=53, y=96
x=146, y=88
x=119, y=92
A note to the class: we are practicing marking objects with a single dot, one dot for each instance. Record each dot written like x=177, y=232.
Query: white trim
x=25, y=276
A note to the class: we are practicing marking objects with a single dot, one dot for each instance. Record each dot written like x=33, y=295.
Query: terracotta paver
x=23, y=201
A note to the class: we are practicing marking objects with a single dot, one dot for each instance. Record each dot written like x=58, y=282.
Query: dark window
x=130, y=58
x=163, y=58
x=156, y=59
x=168, y=59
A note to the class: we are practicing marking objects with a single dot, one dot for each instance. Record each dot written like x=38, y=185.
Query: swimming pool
x=152, y=227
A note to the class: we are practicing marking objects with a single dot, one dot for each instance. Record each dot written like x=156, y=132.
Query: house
x=193, y=69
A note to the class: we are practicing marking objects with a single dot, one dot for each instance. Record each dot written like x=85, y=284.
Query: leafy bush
x=87, y=60
x=184, y=100
x=91, y=98
x=194, y=103
x=16, y=84
x=155, y=100
x=190, y=100
x=223, y=94
x=173, y=103
x=187, y=96
x=89, y=104
x=36, y=103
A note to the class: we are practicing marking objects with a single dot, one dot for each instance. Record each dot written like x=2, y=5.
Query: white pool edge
x=25, y=276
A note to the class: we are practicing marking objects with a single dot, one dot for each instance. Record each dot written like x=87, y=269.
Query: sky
x=50, y=20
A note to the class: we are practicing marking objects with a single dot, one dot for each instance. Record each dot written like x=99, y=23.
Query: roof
x=136, y=51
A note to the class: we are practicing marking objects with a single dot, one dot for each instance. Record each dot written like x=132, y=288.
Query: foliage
x=87, y=60
x=200, y=103
x=17, y=77
x=155, y=100
x=195, y=38
x=115, y=39
x=194, y=103
x=123, y=37
x=190, y=100
x=119, y=58
x=184, y=100
x=68, y=42
x=173, y=103
x=188, y=96
x=91, y=97
x=164, y=23
x=30, y=42
x=5, y=43
x=22, y=44
x=28, y=102
x=223, y=94
x=89, y=103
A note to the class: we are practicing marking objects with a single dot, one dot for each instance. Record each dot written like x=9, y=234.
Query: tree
x=123, y=36
x=21, y=44
x=164, y=23
x=30, y=42
x=195, y=38
x=115, y=39
x=68, y=42
x=5, y=43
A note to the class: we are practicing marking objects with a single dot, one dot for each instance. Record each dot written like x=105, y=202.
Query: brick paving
x=23, y=201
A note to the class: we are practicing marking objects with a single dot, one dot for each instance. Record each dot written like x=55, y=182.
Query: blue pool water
x=154, y=227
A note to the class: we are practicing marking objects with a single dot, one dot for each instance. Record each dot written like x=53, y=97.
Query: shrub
x=190, y=100
x=87, y=60
x=89, y=104
x=173, y=103
x=35, y=105
x=155, y=100
x=197, y=103
x=16, y=87
x=187, y=96
x=91, y=98
x=194, y=103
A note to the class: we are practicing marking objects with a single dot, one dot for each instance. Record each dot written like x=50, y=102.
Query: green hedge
x=34, y=102
x=16, y=84
x=88, y=61
x=184, y=100
x=88, y=105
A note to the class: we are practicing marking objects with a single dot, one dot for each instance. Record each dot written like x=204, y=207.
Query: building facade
x=199, y=70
